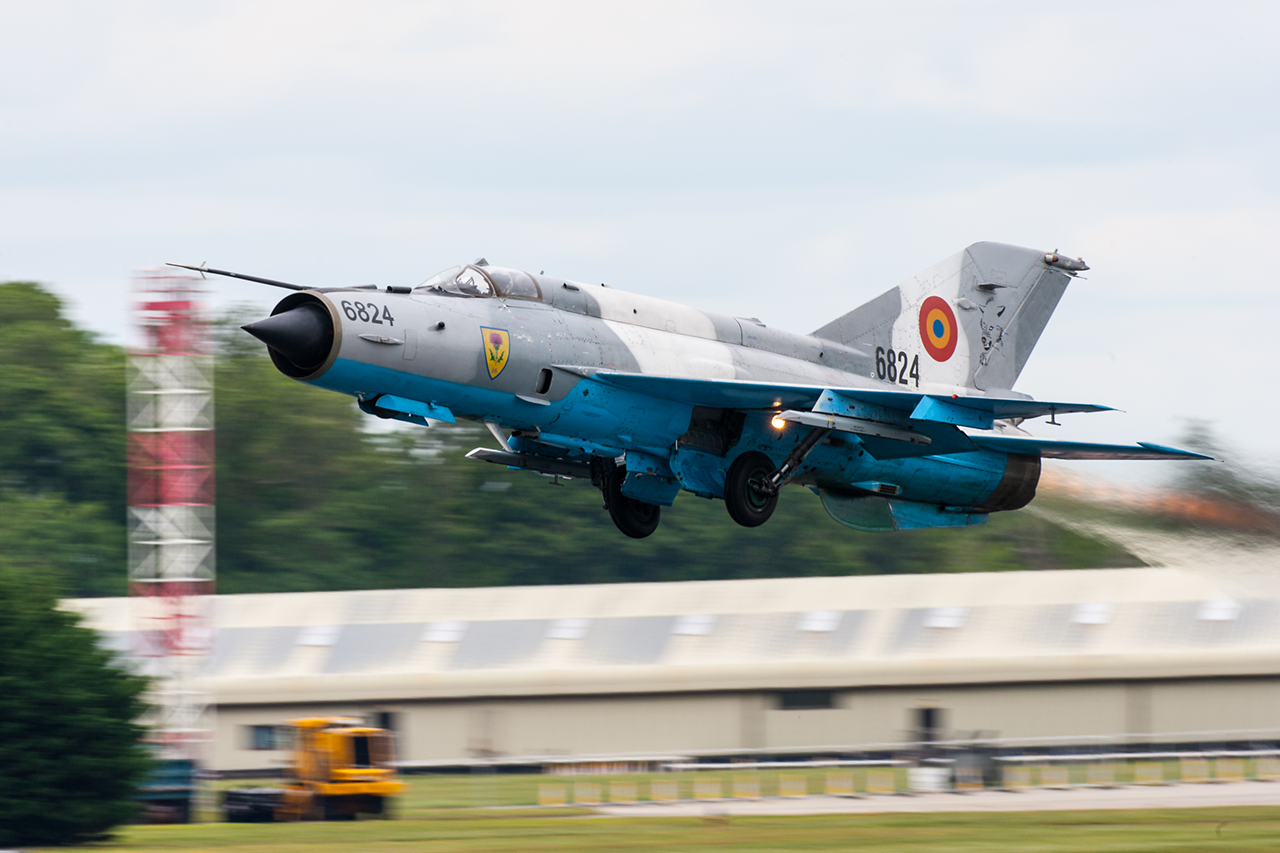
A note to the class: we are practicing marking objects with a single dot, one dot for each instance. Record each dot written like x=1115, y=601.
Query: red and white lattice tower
x=171, y=509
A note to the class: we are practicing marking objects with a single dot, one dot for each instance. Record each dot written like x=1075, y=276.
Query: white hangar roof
x=725, y=635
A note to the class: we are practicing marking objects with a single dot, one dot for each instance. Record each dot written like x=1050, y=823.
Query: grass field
x=429, y=792
x=1234, y=829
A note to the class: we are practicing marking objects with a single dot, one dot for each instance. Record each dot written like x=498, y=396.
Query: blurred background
x=784, y=162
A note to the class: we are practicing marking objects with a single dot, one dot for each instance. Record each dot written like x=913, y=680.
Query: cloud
x=131, y=67
x=783, y=161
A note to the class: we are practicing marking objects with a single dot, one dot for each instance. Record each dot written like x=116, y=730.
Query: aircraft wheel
x=635, y=518
x=747, y=503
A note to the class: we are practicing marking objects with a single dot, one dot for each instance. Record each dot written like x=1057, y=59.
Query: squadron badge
x=497, y=347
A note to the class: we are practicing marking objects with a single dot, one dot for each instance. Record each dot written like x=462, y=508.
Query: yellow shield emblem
x=497, y=346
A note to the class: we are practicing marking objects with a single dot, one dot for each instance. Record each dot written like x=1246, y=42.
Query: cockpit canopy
x=483, y=280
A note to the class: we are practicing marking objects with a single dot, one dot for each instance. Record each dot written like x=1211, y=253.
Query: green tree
x=74, y=543
x=69, y=744
x=61, y=402
x=62, y=445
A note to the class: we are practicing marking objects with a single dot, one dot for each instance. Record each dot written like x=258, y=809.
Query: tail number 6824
x=892, y=366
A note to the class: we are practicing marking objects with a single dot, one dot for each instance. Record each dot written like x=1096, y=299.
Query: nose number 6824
x=368, y=312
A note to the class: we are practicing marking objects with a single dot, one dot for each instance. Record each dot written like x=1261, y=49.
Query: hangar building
x=718, y=668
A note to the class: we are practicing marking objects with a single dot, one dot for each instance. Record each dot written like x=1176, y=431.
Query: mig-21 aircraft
x=899, y=414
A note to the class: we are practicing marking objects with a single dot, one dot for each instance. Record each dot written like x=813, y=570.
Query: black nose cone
x=303, y=335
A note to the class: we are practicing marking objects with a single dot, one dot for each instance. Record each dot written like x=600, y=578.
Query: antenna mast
x=171, y=507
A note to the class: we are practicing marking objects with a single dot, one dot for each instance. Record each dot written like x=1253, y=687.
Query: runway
x=1071, y=799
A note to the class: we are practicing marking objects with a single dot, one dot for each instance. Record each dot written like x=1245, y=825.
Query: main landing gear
x=751, y=487
x=747, y=495
x=752, y=483
x=635, y=518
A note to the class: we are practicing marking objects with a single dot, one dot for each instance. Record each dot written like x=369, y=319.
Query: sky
x=787, y=161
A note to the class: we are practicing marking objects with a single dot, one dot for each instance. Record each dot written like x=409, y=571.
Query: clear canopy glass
x=472, y=282
x=459, y=281
x=513, y=284
x=441, y=277
x=483, y=281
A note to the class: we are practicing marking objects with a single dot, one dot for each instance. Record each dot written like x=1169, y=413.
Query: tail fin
x=971, y=319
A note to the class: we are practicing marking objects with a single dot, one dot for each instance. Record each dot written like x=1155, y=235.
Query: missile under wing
x=899, y=414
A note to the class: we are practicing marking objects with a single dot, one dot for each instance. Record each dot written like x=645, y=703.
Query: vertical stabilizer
x=970, y=320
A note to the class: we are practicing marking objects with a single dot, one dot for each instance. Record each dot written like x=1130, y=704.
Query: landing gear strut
x=636, y=519
x=752, y=483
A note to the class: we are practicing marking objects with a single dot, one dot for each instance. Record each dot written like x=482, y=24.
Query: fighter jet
x=899, y=414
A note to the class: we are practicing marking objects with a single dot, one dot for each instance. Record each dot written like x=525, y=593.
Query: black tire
x=635, y=518
x=338, y=808
x=747, y=505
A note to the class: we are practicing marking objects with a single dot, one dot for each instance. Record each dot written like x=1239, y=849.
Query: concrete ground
x=1072, y=799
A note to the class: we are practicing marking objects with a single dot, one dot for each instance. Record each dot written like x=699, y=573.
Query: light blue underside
x=603, y=419
x=876, y=514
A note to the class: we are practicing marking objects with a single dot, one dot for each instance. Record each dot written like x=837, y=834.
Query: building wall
x=1033, y=711
x=709, y=723
x=1231, y=704
x=884, y=716
x=573, y=726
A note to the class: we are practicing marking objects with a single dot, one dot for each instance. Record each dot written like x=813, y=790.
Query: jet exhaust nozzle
x=302, y=336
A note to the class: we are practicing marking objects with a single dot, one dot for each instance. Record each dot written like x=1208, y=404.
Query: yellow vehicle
x=339, y=768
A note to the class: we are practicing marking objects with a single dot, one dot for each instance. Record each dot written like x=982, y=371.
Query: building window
x=694, y=625
x=806, y=700
x=319, y=635
x=568, y=629
x=263, y=737
x=446, y=632
x=946, y=617
x=819, y=621
x=928, y=724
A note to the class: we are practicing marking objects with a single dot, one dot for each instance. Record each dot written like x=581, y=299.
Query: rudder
x=970, y=320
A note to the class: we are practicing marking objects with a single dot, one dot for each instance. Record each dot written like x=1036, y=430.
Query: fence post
x=881, y=780
x=664, y=791
x=586, y=793
x=551, y=795
x=708, y=789
x=793, y=786
x=1016, y=777
x=1148, y=773
x=839, y=784
x=1228, y=769
x=1194, y=770
x=622, y=792
x=1101, y=774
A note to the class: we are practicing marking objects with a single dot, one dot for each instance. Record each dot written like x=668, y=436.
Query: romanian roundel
x=938, y=328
